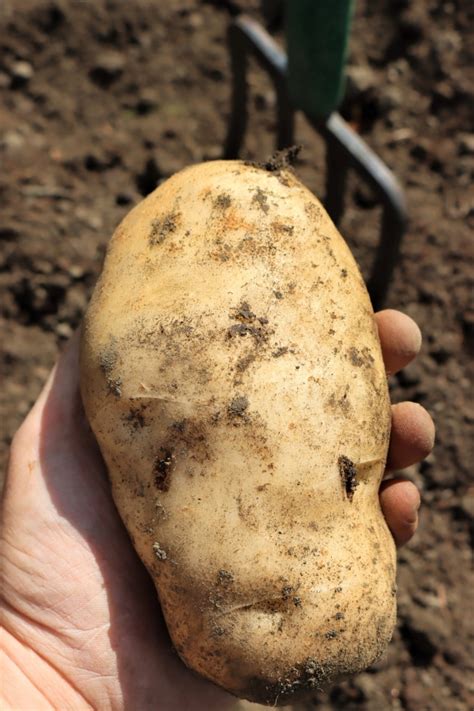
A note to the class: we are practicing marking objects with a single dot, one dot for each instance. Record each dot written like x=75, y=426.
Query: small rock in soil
x=12, y=141
x=100, y=162
x=146, y=103
x=124, y=199
x=360, y=80
x=20, y=73
x=108, y=67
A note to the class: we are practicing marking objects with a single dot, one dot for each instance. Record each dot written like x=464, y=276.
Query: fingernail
x=414, y=517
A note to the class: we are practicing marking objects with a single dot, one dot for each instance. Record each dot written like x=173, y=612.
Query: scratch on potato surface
x=260, y=603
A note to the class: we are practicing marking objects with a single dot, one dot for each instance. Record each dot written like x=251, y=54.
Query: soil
x=103, y=99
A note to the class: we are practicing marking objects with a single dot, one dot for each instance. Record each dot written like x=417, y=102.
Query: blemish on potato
x=108, y=360
x=244, y=313
x=233, y=220
x=280, y=227
x=179, y=426
x=217, y=631
x=188, y=441
x=244, y=362
x=162, y=227
x=338, y=405
x=248, y=323
x=223, y=201
x=261, y=200
x=136, y=417
x=161, y=512
x=224, y=577
x=215, y=417
x=313, y=212
x=162, y=470
x=238, y=406
x=360, y=358
x=348, y=474
x=355, y=357
x=280, y=351
x=115, y=386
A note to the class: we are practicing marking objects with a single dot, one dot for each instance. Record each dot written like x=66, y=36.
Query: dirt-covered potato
x=232, y=374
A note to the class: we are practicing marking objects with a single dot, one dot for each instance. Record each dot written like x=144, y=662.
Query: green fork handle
x=317, y=33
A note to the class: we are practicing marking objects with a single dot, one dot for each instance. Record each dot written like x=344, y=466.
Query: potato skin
x=232, y=374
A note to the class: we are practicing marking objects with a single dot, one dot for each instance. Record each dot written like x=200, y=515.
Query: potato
x=232, y=374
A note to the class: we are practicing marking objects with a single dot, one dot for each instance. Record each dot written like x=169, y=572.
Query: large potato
x=232, y=374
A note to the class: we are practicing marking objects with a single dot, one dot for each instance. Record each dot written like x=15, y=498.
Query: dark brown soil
x=102, y=99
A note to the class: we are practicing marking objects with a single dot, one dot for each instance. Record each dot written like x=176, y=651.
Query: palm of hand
x=75, y=590
x=82, y=625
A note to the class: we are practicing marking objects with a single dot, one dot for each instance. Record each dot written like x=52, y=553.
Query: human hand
x=83, y=627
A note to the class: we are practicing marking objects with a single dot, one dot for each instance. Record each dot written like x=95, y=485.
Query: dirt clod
x=280, y=160
x=159, y=552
